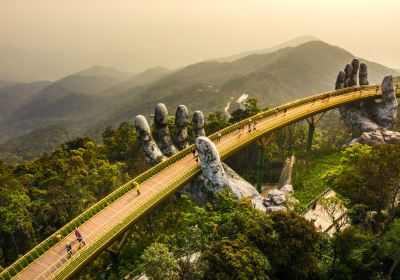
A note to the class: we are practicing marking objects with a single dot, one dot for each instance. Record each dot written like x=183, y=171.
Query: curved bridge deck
x=116, y=213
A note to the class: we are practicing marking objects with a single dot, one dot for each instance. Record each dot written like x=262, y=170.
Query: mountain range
x=291, y=43
x=89, y=100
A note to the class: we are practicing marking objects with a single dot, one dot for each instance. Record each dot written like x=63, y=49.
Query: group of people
x=252, y=125
x=79, y=238
x=78, y=234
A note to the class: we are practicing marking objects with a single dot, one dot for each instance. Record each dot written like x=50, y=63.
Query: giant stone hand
x=216, y=176
x=369, y=120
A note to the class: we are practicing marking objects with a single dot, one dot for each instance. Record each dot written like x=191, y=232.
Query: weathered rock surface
x=198, y=124
x=181, y=119
x=384, y=113
x=277, y=196
x=288, y=188
x=216, y=175
x=161, y=131
x=340, y=80
x=370, y=120
x=355, y=64
x=275, y=208
x=363, y=75
x=354, y=118
x=156, y=150
x=151, y=150
x=347, y=71
x=275, y=201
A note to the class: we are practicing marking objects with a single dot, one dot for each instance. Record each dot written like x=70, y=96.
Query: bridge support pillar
x=312, y=123
x=310, y=136
x=115, y=248
x=262, y=144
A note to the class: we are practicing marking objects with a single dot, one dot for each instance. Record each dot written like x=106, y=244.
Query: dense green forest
x=225, y=238
x=229, y=239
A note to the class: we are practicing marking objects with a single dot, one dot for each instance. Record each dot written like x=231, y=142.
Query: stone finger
x=152, y=152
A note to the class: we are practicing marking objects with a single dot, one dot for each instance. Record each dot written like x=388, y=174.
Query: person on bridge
x=137, y=187
x=240, y=130
x=326, y=97
x=218, y=136
x=249, y=127
x=194, y=152
x=254, y=125
x=69, y=249
x=79, y=237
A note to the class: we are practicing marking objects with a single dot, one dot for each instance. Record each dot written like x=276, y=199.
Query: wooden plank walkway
x=54, y=259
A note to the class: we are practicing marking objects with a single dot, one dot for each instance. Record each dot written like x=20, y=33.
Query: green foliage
x=121, y=145
x=215, y=122
x=334, y=207
x=251, y=109
x=39, y=197
x=391, y=244
x=160, y=262
x=308, y=173
x=354, y=255
x=226, y=239
x=34, y=144
x=368, y=176
x=293, y=255
x=235, y=259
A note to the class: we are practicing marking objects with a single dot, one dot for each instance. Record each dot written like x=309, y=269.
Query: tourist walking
x=79, y=237
x=137, y=189
x=69, y=249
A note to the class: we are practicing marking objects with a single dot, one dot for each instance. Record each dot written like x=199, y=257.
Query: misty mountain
x=6, y=83
x=68, y=101
x=35, y=143
x=29, y=66
x=109, y=72
x=272, y=78
x=74, y=101
x=90, y=103
x=34, y=65
x=144, y=78
x=15, y=95
x=291, y=43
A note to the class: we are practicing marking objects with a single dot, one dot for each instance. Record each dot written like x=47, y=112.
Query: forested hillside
x=225, y=238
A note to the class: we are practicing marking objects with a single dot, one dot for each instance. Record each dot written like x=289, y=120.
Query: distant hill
x=109, y=72
x=15, y=95
x=74, y=101
x=291, y=43
x=6, y=83
x=149, y=76
x=89, y=103
x=272, y=78
x=70, y=101
x=35, y=143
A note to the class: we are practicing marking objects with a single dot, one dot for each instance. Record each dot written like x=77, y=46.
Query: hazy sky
x=179, y=32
